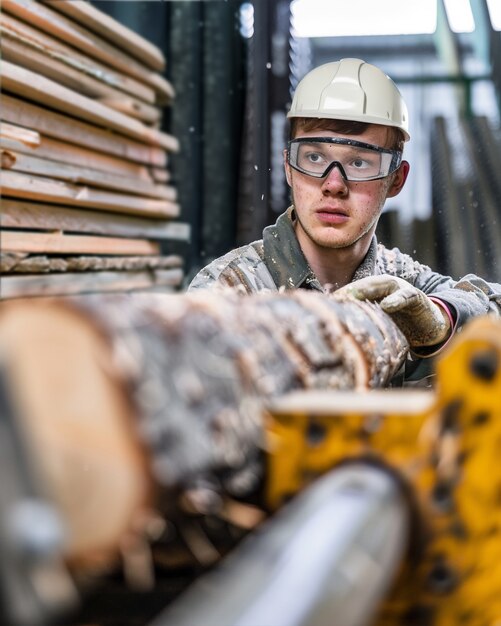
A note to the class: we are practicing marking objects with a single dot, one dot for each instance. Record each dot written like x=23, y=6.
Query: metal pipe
x=326, y=558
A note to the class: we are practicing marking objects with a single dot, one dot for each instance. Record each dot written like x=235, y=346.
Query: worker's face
x=335, y=213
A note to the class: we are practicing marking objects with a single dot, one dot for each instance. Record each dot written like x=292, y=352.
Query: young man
x=348, y=128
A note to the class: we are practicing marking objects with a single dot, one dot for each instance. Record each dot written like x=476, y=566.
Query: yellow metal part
x=445, y=447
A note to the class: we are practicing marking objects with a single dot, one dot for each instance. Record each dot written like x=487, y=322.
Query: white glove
x=423, y=322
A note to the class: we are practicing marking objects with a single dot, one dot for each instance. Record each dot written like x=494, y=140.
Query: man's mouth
x=332, y=215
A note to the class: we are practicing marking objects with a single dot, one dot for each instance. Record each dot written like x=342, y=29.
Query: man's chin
x=335, y=243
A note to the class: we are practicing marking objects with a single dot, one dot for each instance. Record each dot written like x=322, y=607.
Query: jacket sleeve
x=242, y=268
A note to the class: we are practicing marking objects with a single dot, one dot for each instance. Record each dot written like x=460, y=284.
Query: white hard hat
x=351, y=89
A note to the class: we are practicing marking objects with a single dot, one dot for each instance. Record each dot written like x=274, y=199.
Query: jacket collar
x=288, y=265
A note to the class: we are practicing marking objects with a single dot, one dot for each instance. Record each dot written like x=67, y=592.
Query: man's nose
x=334, y=181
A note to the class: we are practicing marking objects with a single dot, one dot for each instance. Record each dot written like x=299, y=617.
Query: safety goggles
x=357, y=161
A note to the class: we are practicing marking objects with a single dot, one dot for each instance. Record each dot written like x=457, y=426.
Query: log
x=194, y=372
x=16, y=161
x=19, y=185
x=55, y=150
x=19, y=53
x=102, y=24
x=228, y=355
x=50, y=21
x=22, y=263
x=79, y=283
x=30, y=85
x=58, y=243
x=30, y=215
x=73, y=58
x=51, y=124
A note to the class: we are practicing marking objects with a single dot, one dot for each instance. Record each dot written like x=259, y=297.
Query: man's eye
x=360, y=163
x=314, y=157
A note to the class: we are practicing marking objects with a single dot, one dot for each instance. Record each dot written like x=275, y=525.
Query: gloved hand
x=423, y=322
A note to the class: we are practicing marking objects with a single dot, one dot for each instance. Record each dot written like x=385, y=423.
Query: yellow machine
x=444, y=447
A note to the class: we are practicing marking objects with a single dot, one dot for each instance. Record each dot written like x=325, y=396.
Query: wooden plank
x=18, y=138
x=73, y=58
x=22, y=136
x=18, y=185
x=43, y=17
x=160, y=175
x=58, y=243
x=27, y=84
x=13, y=160
x=89, y=282
x=22, y=214
x=17, y=52
x=104, y=25
x=62, y=127
x=41, y=264
x=23, y=263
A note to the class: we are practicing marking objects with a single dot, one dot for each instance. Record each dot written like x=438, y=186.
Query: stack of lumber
x=86, y=200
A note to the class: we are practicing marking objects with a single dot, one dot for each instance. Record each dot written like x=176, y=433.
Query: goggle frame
x=394, y=164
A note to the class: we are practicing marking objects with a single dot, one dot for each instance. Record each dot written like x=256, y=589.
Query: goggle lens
x=357, y=161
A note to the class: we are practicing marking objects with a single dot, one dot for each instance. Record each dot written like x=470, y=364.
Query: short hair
x=396, y=137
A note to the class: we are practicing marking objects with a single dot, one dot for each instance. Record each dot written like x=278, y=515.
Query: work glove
x=423, y=322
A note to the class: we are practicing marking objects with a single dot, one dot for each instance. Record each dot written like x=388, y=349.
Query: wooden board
x=72, y=57
x=19, y=185
x=102, y=24
x=23, y=263
x=58, y=243
x=31, y=215
x=32, y=143
x=22, y=136
x=160, y=175
x=51, y=124
x=27, y=84
x=16, y=161
x=19, y=53
x=44, y=18
x=89, y=282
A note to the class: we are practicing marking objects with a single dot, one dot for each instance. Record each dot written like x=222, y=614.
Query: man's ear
x=287, y=168
x=399, y=179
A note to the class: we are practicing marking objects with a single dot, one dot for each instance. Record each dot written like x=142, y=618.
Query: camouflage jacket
x=277, y=261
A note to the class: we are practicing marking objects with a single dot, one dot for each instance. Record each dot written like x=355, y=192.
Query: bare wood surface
x=18, y=111
x=81, y=444
x=17, y=52
x=19, y=185
x=31, y=215
x=27, y=84
x=77, y=283
x=43, y=17
x=59, y=243
x=23, y=136
x=17, y=138
x=69, y=55
x=16, y=161
x=113, y=31
x=23, y=263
